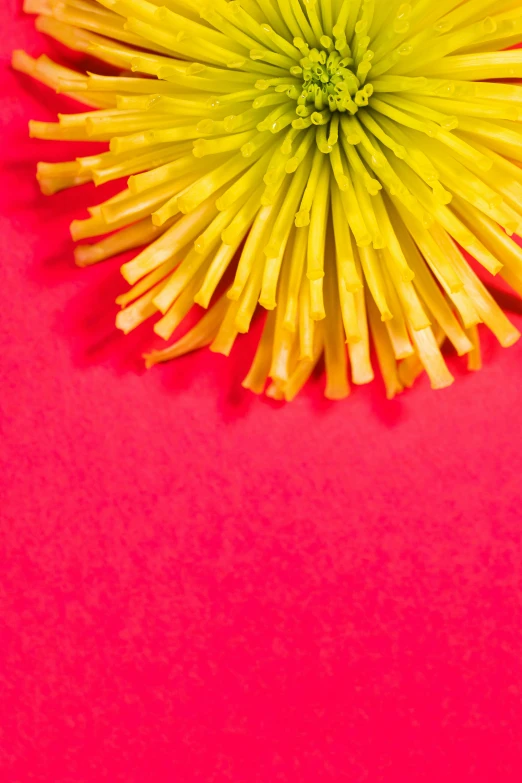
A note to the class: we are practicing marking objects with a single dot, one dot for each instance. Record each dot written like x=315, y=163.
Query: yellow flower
x=336, y=157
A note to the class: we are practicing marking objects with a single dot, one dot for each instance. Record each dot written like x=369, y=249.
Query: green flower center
x=329, y=83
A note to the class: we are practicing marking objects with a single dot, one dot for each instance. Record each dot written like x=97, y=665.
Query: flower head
x=331, y=160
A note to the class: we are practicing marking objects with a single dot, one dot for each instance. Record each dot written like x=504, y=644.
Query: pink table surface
x=201, y=585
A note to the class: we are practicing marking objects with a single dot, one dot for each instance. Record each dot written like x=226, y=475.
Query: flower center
x=329, y=83
x=326, y=80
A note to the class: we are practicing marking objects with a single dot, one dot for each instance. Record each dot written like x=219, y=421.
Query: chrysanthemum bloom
x=331, y=160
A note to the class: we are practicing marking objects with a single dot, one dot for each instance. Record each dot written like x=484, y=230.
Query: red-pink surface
x=200, y=585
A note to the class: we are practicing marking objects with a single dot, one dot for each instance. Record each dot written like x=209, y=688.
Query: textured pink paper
x=200, y=585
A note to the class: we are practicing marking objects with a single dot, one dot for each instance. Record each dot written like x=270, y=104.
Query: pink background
x=200, y=585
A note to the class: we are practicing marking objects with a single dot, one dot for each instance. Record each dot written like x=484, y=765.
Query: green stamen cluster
x=329, y=83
